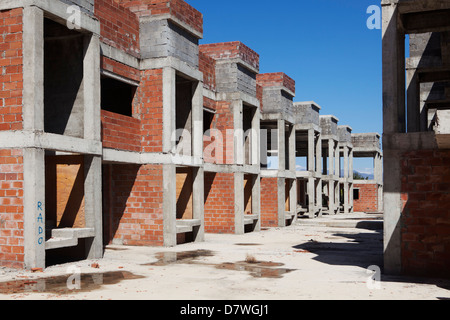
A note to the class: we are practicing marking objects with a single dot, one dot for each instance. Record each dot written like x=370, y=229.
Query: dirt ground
x=300, y=262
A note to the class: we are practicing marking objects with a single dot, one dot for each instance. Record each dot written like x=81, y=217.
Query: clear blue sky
x=324, y=45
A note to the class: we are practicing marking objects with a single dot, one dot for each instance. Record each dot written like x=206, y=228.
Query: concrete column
x=311, y=154
x=346, y=198
x=169, y=109
x=293, y=200
x=318, y=147
x=256, y=138
x=331, y=156
x=197, y=120
x=281, y=145
x=256, y=201
x=198, y=201
x=239, y=150
x=346, y=162
x=292, y=149
x=393, y=71
x=337, y=160
x=33, y=69
x=93, y=205
x=239, y=205
x=413, y=101
x=34, y=207
x=91, y=88
x=281, y=184
x=169, y=205
x=311, y=190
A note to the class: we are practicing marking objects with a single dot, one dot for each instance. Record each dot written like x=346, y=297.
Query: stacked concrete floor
x=117, y=127
x=416, y=136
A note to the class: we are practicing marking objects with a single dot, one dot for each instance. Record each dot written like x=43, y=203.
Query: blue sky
x=324, y=45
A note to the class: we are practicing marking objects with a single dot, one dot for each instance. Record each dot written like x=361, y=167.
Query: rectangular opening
x=247, y=125
x=117, y=96
x=184, y=181
x=208, y=117
x=183, y=115
x=301, y=152
x=355, y=194
x=269, y=145
x=248, y=197
x=64, y=191
x=63, y=77
x=288, y=186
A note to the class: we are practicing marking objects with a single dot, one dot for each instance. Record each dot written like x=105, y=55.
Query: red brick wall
x=269, y=202
x=219, y=203
x=177, y=8
x=11, y=68
x=11, y=209
x=426, y=213
x=208, y=67
x=276, y=79
x=120, y=69
x=149, y=109
x=368, y=198
x=120, y=132
x=231, y=50
x=133, y=199
x=119, y=27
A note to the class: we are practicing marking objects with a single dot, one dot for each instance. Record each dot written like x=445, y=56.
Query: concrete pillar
x=198, y=201
x=169, y=205
x=318, y=147
x=91, y=88
x=239, y=205
x=34, y=207
x=393, y=71
x=33, y=69
x=311, y=154
x=311, y=191
x=281, y=184
x=413, y=100
x=197, y=120
x=281, y=145
x=256, y=200
x=169, y=109
x=239, y=150
x=93, y=205
x=256, y=138
x=292, y=149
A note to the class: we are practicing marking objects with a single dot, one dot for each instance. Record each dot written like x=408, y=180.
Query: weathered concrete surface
x=324, y=262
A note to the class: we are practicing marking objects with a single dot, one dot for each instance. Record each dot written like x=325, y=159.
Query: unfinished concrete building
x=232, y=112
x=309, y=155
x=368, y=193
x=117, y=127
x=278, y=171
x=416, y=137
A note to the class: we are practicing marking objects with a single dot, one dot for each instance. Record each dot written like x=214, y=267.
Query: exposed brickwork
x=278, y=79
x=120, y=132
x=11, y=69
x=231, y=50
x=177, y=8
x=133, y=214
x=149, y=109
x=368, y=198
x=426, y=215
x=269, y=202
x=119, y=27
x=11, y=209
x=219, y=203
x=207, y=66
x=120, y=69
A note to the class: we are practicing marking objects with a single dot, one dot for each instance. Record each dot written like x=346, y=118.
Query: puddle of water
x=60, y=284
x=258, y=269
x=166, y=258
